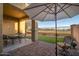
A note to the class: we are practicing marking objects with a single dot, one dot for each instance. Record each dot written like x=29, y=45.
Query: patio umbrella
x=52, y=12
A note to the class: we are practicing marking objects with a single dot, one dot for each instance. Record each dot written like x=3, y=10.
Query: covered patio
x=14, y=25
x=15, y=14
x=14, y=28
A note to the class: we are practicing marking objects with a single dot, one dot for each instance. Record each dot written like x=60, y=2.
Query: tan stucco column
x=18, y=26
x=25, y=27
x=34, y=31
x=1, y=18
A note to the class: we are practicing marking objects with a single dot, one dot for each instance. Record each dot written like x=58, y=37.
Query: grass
x=49, y=39
x=45, y=38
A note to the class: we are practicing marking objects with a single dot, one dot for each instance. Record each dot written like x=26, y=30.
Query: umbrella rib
x=35, y=6
x=73, y=4
x=50, y=9
x=65, y=8
x=59, y=11
x=64, y=11
x=39, y=13
x=62, y=7
x=49, y=12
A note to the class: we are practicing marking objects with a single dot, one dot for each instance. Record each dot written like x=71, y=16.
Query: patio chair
x=17, y=36
x=5, y=40
x=12, y=38
x=69, y=43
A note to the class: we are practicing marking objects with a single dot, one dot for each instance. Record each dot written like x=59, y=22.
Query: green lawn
x=49, y=39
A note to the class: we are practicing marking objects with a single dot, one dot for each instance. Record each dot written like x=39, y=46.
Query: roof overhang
x=13, y=11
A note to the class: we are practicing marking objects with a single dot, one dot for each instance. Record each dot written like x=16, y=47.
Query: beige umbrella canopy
x=52, y=12
x=46, y=12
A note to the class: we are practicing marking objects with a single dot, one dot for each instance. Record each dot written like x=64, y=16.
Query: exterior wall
x=22, y=26
x=10, y=26
x=75, y=32
x=1, y=18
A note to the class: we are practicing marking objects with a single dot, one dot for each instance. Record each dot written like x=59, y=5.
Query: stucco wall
x=10, y=26
x=22, y=26
x=75, y=32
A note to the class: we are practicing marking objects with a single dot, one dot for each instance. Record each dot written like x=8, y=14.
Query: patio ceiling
x=20, y=5
x=12, y=11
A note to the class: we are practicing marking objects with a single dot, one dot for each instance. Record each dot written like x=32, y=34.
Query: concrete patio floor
x=37, y=48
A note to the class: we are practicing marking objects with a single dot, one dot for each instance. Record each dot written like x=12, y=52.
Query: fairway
x=49, y=39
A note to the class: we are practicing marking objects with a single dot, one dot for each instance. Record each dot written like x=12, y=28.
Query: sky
x=60, y=23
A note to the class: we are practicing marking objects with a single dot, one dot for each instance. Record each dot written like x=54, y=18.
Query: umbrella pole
x=56, y=29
